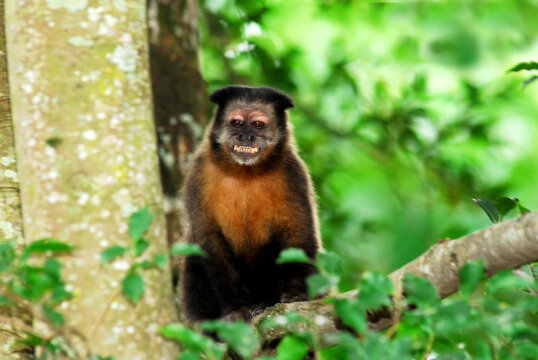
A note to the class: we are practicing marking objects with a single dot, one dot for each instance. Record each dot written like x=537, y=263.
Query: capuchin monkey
x=248, y=196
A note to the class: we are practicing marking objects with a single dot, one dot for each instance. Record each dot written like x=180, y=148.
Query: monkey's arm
x=305, y=236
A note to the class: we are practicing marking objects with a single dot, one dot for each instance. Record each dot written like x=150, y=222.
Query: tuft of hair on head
x=265, y=94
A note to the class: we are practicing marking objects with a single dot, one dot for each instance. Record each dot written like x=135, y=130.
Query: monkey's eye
x=237, y=123
x=258, y=124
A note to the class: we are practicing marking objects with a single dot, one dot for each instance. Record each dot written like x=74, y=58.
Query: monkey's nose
x=250, y=138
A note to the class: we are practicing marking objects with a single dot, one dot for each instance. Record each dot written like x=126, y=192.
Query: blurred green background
x=404, y=110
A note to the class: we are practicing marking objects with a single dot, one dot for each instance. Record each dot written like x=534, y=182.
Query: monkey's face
x=249, y=133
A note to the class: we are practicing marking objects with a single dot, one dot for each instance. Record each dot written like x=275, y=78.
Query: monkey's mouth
x=246, y=149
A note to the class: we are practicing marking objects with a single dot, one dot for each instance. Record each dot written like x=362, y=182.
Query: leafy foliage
x=403, y=112
x=133, y=284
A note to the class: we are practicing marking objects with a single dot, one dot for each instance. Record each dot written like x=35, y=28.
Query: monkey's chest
x=248, y=211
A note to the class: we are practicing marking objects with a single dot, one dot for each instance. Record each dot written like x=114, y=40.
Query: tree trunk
x=10, y=208
x=85, y=141
x=179, y=94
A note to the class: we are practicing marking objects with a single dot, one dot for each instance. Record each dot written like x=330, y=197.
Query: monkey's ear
x=279, y=99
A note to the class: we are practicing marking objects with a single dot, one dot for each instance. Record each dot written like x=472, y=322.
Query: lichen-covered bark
x=506, y=245
x=179, y=93
x=10, y=208
x=81, y=104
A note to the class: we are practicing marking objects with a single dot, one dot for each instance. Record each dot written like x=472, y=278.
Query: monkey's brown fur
x=245, y=206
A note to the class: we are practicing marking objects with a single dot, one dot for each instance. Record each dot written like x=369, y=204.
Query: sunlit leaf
x=193, y=341
x=239, y=335
x=375, y=291
x=329, y=262
x=60, y=293
x=319, y=284
x=470, y=276
x=161, y=260
x=140, y=246
x=351, y=313
x=292, y=255
x=111, y=253
x=186, y=249
x=139, y=223
x=420, y=291
x=291, y=348
x=133, y=286
x=46, y=245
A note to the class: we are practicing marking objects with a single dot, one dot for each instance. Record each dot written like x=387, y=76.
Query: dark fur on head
x=265, y=94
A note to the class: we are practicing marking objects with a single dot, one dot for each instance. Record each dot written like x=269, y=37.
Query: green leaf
x=146, y=264
x=193, y=341
x=319, y=284
x=531, y=65
x=55, y=317
x=53, y=267
x=139, y=223
x=522, y=209
x=329, y=262
x=505, y=285
x=470, y=276
x=32, y=340
x=111, y=253
x=489, y=208
x=140, y=246
x=7, y=254
x=420, y=291
x=186, y=249
x=291, y=348
x=239, y=335
x=375, y=291
x=527, y=349
x=292, y=255
x=505, y=204
x=161, y=260
x=54, y=141
x=133, y=286
x=59, y=294
x=4, y=300
x=45, y=245
x=351, y=313
x=189, y=355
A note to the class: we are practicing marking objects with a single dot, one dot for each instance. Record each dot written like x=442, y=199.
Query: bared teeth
x=246, y=149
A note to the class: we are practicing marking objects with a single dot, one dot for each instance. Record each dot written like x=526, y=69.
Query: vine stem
x=103, y=313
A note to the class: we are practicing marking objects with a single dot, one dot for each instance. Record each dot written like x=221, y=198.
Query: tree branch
x=505, y=245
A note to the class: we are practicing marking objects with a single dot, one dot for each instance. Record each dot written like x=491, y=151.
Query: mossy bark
x=81, y=104
x=10, y=208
